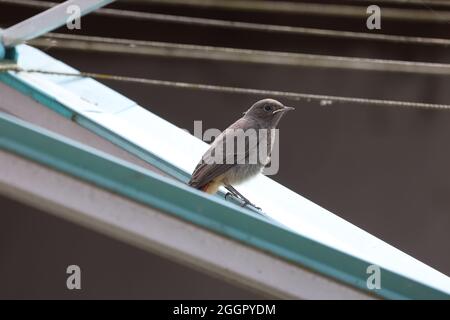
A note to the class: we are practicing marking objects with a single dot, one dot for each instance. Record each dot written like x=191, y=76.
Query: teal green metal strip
x=8, y=53
x=66, y=112
x=213, y=213
x=84, y=122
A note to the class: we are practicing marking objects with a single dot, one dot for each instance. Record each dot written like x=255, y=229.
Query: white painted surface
x=29, y=110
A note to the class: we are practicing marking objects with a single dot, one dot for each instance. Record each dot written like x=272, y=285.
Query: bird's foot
x=236, y=197
x=245, y=202
x=248, y=203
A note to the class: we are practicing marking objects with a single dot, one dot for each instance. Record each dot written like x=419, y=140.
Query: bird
x=226, y=164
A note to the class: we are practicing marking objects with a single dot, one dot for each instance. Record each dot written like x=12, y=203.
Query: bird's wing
x=219, y=159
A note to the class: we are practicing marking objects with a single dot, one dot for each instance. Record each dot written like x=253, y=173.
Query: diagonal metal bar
x=47, y=21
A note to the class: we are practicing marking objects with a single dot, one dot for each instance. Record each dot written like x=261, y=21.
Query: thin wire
x=323, y=100
x=311, y=9
x=440, y=3
x=443, y=3
x=248, y=25
x=236, y=55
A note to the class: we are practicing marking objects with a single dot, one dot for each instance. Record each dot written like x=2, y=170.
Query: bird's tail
x=210, y=187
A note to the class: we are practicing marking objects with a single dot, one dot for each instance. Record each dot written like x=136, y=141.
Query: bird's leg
x=231, y=193
x=237, y=194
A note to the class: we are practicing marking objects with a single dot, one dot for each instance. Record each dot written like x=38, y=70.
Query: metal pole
x=312, y=9
x=177, y=50
x=46, y=21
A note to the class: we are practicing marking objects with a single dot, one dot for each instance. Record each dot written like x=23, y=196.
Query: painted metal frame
x=214, y=214
x=115, y=117
x=155, y=231
x=46, y=21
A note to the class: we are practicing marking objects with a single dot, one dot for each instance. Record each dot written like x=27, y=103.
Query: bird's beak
x=284, y=109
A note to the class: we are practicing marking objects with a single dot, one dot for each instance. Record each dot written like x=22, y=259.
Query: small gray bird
x=235, y=165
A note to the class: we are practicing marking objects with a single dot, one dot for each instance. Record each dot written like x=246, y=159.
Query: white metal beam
x=47, y=21
x=28, y=109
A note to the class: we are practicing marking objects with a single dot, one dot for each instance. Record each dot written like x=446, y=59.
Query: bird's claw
x=247, y=203
x=239, y=197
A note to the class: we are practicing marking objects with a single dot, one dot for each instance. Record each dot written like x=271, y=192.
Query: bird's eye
x=268, y=107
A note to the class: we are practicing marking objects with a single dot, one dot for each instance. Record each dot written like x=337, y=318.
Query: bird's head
x=268, y=111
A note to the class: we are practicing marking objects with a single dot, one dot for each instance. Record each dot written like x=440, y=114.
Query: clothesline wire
x=177, y=50
x=323, y=100
x=439, y=3
x=340, y=34
x=316, y=9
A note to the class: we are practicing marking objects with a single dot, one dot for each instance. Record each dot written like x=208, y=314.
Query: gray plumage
x=222, y=165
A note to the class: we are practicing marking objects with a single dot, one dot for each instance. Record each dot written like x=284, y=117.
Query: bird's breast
x=242, y=172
